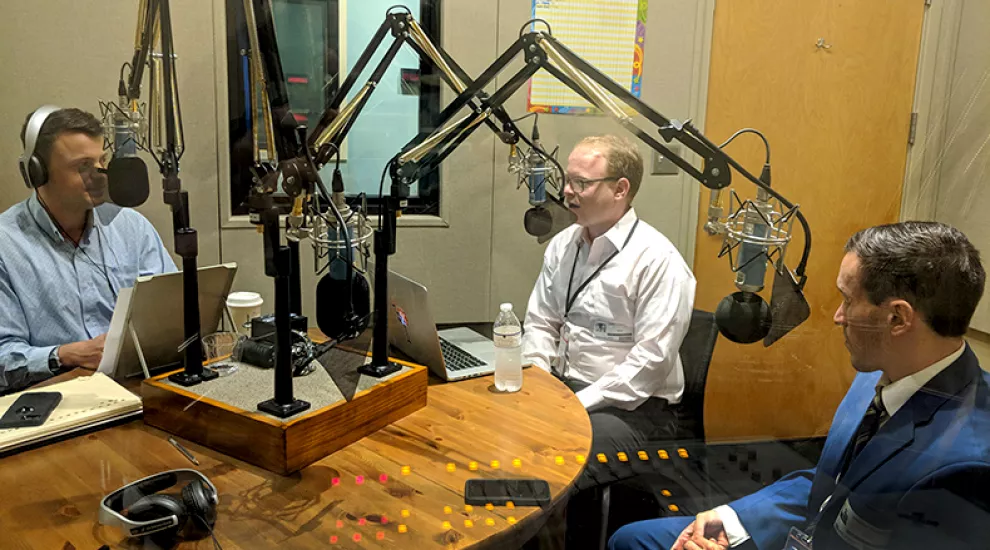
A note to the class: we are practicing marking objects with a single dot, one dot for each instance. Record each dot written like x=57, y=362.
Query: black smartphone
x=521, y=492
x=30, y=409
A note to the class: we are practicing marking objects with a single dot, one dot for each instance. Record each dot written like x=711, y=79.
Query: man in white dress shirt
x=612, y=302
x=609, y=311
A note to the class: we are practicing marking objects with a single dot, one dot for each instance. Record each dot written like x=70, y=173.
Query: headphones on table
x=138, y=510
x=33, y=168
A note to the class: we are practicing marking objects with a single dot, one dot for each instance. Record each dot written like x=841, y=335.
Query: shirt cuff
x=734, y=529
x=37, y=363
x=591, y=397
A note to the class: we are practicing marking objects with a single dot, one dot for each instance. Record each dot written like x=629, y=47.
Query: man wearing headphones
x=64, y=254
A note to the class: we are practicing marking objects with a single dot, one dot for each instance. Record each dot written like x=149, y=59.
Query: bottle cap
x=505, y=307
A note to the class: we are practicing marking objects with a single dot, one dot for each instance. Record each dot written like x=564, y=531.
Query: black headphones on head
x=33, y=168
x=138, y=509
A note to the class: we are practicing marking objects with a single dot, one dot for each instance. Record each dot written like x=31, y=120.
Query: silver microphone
x=127, y=173
x=756, y=233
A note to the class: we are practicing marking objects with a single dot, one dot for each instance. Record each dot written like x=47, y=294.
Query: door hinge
x=928, y=2
x=913, y=130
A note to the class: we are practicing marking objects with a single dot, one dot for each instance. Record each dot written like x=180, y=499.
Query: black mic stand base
x=283, y=410
x=379, y=371
x=186, y=379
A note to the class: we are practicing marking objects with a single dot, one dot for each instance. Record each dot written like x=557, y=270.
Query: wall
x=70, y=55
x=963, y=169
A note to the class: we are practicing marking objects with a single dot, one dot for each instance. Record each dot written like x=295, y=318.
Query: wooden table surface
x=358, y=497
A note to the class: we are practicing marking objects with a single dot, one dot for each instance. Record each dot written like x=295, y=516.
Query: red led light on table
x=380, y=535
x=384, y=520
x=333, y=539
x=339, y=524
x=359, y=480
x=361, y=521
x=383, y=478
x=335, y=481
x=357, y=537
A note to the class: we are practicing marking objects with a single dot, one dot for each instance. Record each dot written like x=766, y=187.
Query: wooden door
x=837, y=117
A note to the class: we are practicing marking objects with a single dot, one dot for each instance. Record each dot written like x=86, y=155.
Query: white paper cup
x=243, y=307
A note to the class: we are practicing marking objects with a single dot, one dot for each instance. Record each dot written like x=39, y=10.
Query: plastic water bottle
x=508, y=350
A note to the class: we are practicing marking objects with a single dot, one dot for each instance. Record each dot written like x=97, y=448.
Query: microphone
x=537, y=171
x=546, y=216
x=127, y=181
x=127, y=174
x=744, y=316
x=343, y=296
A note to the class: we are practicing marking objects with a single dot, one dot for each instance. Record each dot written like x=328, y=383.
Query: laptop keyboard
x=457, y=359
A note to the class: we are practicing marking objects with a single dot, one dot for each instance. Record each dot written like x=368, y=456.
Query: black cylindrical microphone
x=743, y=317
x=127, y=181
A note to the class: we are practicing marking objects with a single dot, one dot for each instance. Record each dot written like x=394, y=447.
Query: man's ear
x=901, y=316
x=621, y=190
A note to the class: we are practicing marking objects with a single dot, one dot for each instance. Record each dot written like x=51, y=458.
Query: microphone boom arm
x=543, y=51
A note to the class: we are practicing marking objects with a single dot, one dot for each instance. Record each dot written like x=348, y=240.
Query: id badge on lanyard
x=797, y=540
x=559, y=364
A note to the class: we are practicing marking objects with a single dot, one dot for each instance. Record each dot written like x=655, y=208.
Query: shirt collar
x=895, y=394
x=43, y=219
x=47, y=224
x=616, y=234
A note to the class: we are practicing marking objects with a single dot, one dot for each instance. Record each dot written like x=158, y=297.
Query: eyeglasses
x=579, y=185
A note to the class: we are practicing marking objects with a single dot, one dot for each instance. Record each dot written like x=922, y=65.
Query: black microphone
x=743, y=317
x=343, y=297
x=127, y=181
x=127, y=174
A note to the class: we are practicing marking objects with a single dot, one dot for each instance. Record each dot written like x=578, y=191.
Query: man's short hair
x=58, y=123
x=931, y=265
x=622, y=158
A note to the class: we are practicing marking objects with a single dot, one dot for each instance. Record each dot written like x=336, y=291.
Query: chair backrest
x=696, y=354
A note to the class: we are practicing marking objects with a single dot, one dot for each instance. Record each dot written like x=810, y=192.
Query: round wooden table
x=401, y=487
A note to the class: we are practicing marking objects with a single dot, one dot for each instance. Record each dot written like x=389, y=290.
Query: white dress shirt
x=624, y=329
x=893, y=395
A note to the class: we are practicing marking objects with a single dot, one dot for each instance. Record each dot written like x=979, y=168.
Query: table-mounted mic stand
x=278, y=264
x=384, y=247
x=187, y=247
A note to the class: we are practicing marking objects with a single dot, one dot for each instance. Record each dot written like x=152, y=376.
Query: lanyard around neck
x=570, y=280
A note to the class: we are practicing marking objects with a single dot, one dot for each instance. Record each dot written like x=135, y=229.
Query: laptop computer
x=452, y=354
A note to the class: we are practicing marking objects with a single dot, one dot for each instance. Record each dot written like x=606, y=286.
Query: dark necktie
x=875, y=416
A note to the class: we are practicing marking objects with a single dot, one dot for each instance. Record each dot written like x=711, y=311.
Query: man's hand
x=705, y=533
x=86, y=354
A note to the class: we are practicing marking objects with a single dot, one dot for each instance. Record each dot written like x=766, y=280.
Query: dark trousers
x=613, y=431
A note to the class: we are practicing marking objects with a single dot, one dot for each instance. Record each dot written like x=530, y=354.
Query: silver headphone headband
x=37, y=120
x=113, y=518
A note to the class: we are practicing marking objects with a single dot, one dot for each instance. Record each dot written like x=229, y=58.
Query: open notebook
x=87, y=401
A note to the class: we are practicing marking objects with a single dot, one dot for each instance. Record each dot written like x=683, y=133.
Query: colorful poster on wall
x=609, y=34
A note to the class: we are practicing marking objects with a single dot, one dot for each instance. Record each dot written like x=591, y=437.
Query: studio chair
x=696, y=355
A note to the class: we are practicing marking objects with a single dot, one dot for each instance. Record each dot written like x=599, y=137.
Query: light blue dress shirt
x=53, y=292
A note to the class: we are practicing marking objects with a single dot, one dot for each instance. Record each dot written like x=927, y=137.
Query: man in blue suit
x=907, y=461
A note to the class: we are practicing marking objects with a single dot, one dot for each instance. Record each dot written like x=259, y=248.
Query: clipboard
x=147, y=330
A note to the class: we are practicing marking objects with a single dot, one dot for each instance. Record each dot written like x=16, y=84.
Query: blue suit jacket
x=923, y=481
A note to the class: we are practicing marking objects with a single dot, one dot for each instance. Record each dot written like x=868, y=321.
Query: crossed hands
x=705, y=533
